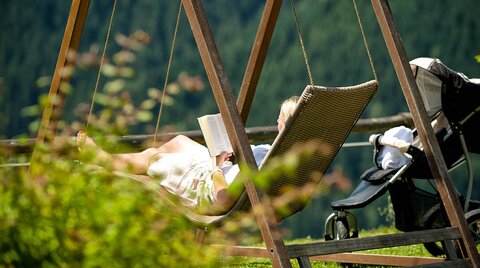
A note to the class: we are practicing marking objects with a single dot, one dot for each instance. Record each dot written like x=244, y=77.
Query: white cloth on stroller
x=391, y=157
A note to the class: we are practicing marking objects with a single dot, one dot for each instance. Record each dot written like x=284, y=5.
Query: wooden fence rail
x=255, y=134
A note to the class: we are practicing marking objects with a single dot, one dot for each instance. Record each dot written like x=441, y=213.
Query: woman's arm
x=224, y=199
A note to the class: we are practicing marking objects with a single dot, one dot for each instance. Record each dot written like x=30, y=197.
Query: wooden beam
x=372, y=242
x=340, y=250
x=255, y=134
x=378, y=259
x=424, y=128
x=257, y=57
x=217, y=78
x=71, y=40
x=235, y=128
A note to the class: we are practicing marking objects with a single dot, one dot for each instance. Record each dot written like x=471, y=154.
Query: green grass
x=412, y=250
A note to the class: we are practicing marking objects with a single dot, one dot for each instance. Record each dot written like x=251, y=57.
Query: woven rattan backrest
x=323, y=114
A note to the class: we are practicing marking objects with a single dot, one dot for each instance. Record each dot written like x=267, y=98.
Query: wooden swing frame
x=235, y=115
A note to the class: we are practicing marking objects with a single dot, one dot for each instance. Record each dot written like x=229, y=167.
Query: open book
x=215, y=134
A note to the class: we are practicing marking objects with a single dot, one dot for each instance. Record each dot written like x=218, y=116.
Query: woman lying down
x=185, y=167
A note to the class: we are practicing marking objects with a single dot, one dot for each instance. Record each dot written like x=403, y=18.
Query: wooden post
x=71, y=40
x=235, y=128
x=257, y=57
x=425, y=130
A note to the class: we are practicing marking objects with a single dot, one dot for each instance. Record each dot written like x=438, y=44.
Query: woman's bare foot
x=86, y=144
x=84, y=141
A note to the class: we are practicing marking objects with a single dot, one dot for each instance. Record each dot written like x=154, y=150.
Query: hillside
x=32, y=34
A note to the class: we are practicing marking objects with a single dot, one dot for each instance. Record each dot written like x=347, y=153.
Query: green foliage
x=113, y=110
x=65, y=212
x=32, y=36
x=69, y=211
x=71, y=215
x=137, y=61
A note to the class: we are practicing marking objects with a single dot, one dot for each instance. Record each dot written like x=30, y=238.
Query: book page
x=215, y=134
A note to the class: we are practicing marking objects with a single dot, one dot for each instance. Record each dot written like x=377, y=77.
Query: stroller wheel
x=436, y=218
x=473, y=220
x=341, y=225
x=342, y=229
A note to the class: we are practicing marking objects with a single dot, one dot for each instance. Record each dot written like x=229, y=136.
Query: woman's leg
x=137, y=163
x=179, y=144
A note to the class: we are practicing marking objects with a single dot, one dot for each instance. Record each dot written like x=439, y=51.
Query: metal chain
x=299, y=32
x=365, y=40
x=102, y=59
x=168, y=71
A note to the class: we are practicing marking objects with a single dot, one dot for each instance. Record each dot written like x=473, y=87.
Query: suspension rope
x=168, y=71
x=99, y=75
x=299, y=33
x=365, y=39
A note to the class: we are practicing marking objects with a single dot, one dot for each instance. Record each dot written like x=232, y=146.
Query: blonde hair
x=288, y=107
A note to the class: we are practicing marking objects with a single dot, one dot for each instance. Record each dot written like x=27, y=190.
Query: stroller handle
x=401, y=145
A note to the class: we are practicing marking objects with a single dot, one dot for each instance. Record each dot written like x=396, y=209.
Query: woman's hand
x=221, y=158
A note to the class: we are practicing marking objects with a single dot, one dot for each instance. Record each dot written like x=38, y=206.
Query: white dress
x=188, y=174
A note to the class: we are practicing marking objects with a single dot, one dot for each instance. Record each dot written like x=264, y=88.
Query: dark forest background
x=31, y=34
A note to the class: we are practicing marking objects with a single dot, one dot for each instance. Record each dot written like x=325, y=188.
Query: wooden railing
x=255, y=134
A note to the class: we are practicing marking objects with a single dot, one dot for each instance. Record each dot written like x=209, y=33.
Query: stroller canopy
x=443, y=89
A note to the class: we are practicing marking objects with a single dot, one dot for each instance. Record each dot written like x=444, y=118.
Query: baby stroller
x=452, y=101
